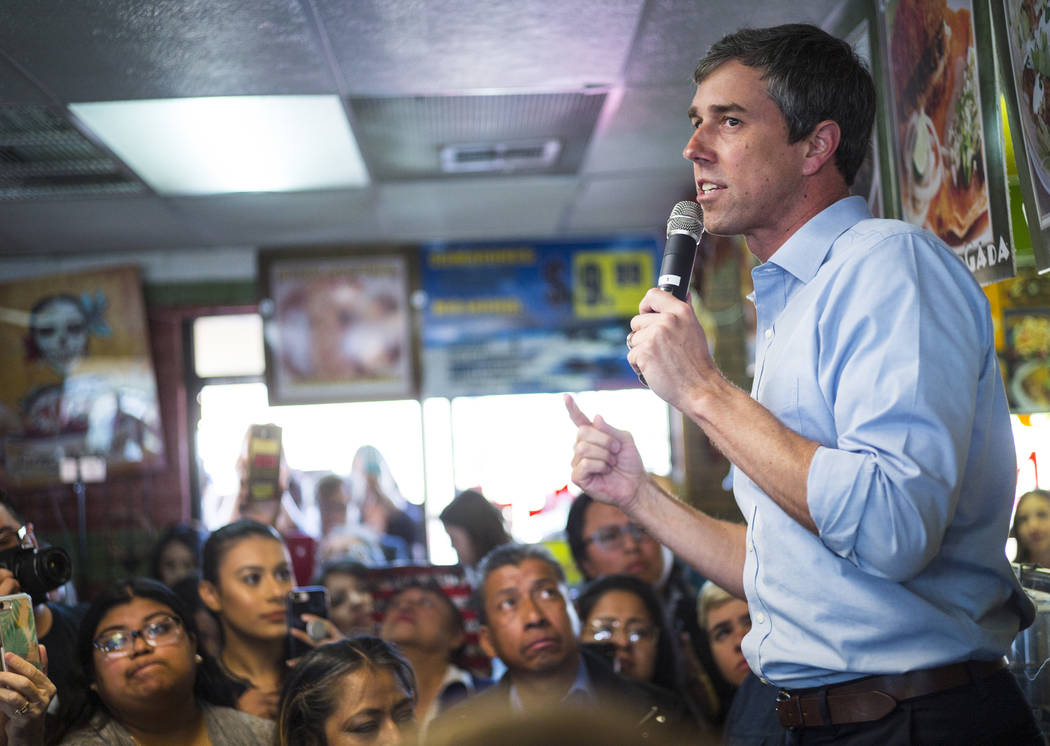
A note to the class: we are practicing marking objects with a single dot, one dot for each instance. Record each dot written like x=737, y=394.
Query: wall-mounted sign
x=529, y=317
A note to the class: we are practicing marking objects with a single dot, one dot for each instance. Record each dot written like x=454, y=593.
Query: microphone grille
x=686, y=217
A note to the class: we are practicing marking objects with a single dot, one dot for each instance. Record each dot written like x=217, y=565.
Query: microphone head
x=686, y=217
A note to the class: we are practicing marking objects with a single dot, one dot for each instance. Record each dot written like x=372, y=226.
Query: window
x=517, y=449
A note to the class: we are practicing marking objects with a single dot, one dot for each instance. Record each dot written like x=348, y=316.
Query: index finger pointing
x=575, y=413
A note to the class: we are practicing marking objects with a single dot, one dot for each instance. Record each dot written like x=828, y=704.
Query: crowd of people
x=868, y=583
x=199, y=652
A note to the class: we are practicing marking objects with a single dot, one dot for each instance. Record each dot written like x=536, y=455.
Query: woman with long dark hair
x=625, y=611
x=141, y=680
x=246, y=575
x=474, y=526
x=353, y=691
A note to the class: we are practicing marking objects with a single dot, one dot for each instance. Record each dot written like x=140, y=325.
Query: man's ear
x=210, y=596
x=821, y=145
x=485, y=640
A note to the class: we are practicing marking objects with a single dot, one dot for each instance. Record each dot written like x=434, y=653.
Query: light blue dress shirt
x=874, y=340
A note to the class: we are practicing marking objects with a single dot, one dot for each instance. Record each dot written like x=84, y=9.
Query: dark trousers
x=987, y=712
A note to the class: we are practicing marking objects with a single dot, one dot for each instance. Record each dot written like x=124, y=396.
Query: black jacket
x=653, y=713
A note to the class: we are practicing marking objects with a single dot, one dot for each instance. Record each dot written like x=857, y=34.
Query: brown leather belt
x=874, y=697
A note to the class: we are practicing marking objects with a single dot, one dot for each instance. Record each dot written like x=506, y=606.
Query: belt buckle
x=790, y=717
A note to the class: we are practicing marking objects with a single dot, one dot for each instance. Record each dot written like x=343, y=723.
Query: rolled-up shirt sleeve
x=899, y=362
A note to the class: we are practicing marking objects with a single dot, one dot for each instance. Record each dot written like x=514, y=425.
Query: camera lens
x=53, y=567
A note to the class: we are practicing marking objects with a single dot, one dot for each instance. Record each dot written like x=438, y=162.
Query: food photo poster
x=945, y=125
x=1023, y=46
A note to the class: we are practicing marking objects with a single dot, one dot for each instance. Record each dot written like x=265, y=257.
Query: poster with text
x=531, y=317
x=78, y=376
x=950, y=169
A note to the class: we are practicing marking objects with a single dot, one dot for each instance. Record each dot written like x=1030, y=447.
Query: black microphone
x=684, y=228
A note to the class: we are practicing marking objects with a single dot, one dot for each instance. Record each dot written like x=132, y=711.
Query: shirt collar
x=803, y=253
x=456, y=675
x=582, y=689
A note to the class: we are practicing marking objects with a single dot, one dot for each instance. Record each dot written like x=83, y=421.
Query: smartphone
x=264, y=462
x=18, y=629
x=311, y=599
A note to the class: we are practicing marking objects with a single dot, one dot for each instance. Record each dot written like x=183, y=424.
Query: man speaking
x=873, y=460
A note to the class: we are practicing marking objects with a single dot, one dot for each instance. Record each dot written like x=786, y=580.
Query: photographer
x=56, y=624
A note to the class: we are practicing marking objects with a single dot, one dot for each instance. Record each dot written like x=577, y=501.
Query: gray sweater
x=226, y=727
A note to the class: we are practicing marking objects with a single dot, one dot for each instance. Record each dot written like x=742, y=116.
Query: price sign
x=609, y=284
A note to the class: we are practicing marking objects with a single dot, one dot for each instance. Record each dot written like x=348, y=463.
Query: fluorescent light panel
x=192, y=146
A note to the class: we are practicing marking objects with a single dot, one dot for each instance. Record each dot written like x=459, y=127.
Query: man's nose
x=534, y=616
x=695, y=148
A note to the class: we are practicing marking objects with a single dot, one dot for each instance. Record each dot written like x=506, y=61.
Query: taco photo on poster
x=933, y=71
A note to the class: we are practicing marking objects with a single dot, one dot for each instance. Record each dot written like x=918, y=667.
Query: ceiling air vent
x=43, y=155
x=499, y=157
x=408, y=138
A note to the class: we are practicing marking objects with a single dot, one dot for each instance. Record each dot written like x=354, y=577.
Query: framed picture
x=855, y=22
x=945, y=127
x=78, y=377
x=336, y=328
x=1022, y=37
x=1026, y=358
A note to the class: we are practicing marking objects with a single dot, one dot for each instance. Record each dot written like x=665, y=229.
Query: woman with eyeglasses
x=603, y=541
x=142, y=681
x=624, y=611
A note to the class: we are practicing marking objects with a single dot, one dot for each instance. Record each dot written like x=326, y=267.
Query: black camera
x=37, y=570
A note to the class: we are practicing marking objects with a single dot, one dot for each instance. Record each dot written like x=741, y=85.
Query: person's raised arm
x=607, y=466
x=669, y=347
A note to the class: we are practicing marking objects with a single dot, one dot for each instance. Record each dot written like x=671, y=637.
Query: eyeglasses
x=159, y=630
x=614, y=537
x=603, y=630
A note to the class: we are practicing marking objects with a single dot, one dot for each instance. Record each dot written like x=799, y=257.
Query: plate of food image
x=1029, y=41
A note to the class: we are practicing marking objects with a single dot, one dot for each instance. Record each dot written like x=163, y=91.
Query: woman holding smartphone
x=246, y=574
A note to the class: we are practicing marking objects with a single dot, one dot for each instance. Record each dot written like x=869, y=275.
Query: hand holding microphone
x=685, y=226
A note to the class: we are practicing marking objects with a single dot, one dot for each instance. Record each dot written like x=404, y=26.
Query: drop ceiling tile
x=675, y=34
x=628, y=203
x=647, y=131
x=16, y=88
x=474, y=208
x=278, y=219
x=73, y=226
x=415, y=46
x=107, y=50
